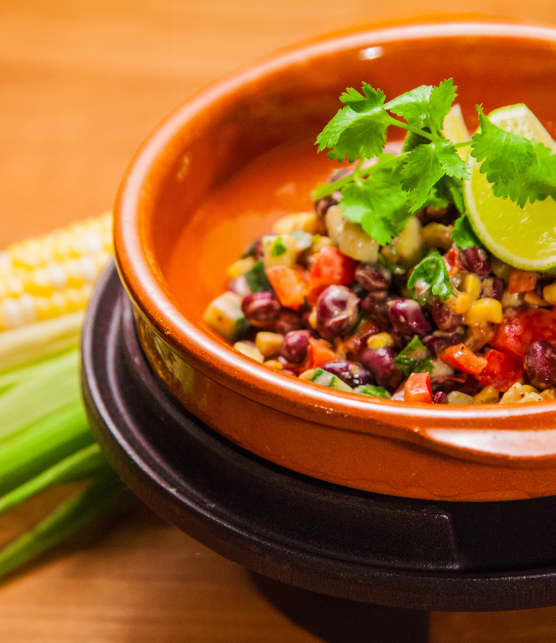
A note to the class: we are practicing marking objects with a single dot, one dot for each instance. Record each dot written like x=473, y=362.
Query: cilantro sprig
x=382, y=196
x=414, y=358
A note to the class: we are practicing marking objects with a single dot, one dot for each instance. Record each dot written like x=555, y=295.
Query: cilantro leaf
x=256, y=278
x=414, y=358
x=425, y=106
x=379, y=204
x=518, y=168
x=463, y=235
x=358, y=130
x=432, y=275
x=420, y=172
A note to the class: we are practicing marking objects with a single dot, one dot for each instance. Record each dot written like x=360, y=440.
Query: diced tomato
x=522, y=281
x=521, y=327
x=464, y=359
x=331, y=267
x=290, y=285
x=502, y=370
x=319, y=353
x=451, y=258
x=417, y=388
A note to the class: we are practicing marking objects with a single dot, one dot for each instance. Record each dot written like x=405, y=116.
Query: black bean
x=321, y=206
x=440, y=398
x=295, y=345
x=475, y=260
x=261, y=308
x=492, y=287
x=407, y=317
x=443, y=317
x=375, y=305
x=540, y=364
x=336, y=311
x=373, y=276
x=380, y=361
x=439, y=341
x=351, y=373
x=287, y=320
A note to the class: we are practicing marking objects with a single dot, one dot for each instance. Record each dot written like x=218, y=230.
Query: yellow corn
x=549, y=293
x=520, y=393
x=274, y=364
x=240, y=267
x=269, y=343
x=249, y=350
x=484, y=310
x=437, y=235
x=380, y=340
x=305, y=221
x=472, y=285
x=460, y=303
x=488, y=395
x=52, y=275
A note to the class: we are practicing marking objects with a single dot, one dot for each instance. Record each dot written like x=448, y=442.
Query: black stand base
x=307, y=533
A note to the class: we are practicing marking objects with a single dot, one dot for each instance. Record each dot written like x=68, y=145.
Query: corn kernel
x=511, y=299
x=457, y=397
x=305, y=221
x=380, y=340
x=240, y=267
x=472, y=285
x=459, y=303
x=274, y=364
x=530, y=397
x=548, y=394
x=488, y=395
x=269, y=343
x=549, y=293
x=307, y=375
x=484, y=310
x=249, y=350
x=517, y=392
x=437, y=235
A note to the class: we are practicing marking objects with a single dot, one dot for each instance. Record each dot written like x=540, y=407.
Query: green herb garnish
x=372, y=391
x=414, y=358
x=256, y=278
x=463, y=235
x=430, y=277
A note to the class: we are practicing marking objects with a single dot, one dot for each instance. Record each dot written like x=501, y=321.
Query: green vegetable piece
x=432, y=275
x=225, y=316
x=256, y=278
x=324, y=378
x=518, y=168
x=278, y=248
x=463, y=235
x=414, y=358
x=372, y=391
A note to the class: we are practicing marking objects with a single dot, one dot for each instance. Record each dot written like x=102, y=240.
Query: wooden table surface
x=82, y=83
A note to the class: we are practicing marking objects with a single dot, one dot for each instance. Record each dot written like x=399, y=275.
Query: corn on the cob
x=52, y=275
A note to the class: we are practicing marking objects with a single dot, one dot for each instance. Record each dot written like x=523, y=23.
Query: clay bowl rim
x=220, y=362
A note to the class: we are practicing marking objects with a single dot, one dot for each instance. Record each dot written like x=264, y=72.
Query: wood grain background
x=81, y=83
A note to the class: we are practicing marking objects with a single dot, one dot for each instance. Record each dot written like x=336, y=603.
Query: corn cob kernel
x=274, y=364
x=549, y=293
x=240, y=267
x=472, y=285
x=484, y=310
x=268, y=343
x=380, y=340
x=459, y=303
x=488, y=395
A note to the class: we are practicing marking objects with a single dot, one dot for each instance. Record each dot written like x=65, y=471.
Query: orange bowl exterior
x=488, y=452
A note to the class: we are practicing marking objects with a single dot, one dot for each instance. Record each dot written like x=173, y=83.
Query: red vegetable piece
x=502, y=370
x=417, y=388
x=289, y=285
x=522, y=281
x=521, y=327
x=464, y=359
x=319, y=353
x=331, y=267
x=451, y=259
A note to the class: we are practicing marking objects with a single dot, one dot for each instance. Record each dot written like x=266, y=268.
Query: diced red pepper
x=331, y=267
x=522, y=281
x=502, y=370
x=290, y=285
x=520, y=327
x=417, y=388
x=451, y=258
x=464, y=359
x=319, y=353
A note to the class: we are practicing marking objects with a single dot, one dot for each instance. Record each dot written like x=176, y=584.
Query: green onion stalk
x=45, y=438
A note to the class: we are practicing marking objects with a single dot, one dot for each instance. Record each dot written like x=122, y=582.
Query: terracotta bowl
x=451, y=452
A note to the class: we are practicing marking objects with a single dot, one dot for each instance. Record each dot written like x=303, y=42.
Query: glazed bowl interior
x=162, y=229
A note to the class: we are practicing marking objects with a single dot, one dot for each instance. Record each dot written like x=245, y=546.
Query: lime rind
x=522, y=237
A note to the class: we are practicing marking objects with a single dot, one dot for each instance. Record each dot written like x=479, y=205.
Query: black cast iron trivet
x=299, y=530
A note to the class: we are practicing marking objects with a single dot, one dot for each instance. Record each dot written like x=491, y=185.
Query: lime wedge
x=522, y=237
x=455, y=129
